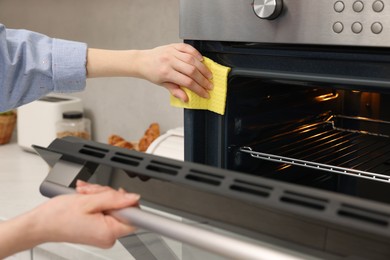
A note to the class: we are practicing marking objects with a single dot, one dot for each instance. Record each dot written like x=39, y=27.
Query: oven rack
x=338, y=120
x=316, y=166
x=333, y=143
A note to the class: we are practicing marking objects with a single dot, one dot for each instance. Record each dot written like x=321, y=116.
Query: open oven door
x=72, y=158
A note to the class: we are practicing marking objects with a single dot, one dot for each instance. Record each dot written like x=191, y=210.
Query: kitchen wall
x=124, y=106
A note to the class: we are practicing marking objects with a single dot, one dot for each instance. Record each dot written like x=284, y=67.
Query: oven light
x=284, y=167
x=326, y=97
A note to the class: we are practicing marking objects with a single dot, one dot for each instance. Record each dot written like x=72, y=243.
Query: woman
x=33, y=65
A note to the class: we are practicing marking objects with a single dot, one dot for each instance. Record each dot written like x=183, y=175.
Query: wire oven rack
x=326, y=146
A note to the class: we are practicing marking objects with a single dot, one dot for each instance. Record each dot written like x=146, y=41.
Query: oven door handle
x=225, y=246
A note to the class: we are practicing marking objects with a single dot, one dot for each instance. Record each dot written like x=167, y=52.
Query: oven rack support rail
x=73, y=158
x=317, y=166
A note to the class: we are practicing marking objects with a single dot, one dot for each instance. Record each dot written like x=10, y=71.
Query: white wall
x=115, y=105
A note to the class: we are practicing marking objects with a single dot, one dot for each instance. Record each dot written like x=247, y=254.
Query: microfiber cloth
x=217, y=100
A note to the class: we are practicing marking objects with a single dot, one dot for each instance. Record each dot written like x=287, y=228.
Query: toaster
x=36, y=121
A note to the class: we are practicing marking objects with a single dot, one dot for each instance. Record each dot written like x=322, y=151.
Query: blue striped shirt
x=33, y=65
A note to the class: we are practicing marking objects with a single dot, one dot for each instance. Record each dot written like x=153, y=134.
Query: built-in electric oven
x=307, y=99
x=301, y=157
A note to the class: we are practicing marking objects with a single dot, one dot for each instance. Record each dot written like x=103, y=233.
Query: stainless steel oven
x=307, y=103
x=301, y=158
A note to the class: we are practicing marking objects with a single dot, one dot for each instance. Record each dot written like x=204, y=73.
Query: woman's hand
x=75, y=218
x=171, y=66
x=81, y=218
x=176, y=65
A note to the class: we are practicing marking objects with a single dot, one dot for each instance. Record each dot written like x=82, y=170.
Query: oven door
x=249, y=217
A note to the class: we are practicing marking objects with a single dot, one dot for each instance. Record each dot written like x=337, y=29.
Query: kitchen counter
x=21, y=174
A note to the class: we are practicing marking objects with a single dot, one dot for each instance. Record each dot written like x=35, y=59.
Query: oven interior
x=326, y=136
x=316, y=116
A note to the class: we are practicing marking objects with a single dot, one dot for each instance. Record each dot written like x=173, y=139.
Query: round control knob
x=267, y=9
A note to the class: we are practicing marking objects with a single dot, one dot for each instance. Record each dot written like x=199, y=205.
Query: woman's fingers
x=176, y=91
x=191, y=59
x=183, y=80
x=103, y=198
x=186, y=48
x=110, y=200
x=83, y=187
x=195, y=75
x=194, y=70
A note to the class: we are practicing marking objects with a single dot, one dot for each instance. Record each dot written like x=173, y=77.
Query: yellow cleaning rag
x=217, y=100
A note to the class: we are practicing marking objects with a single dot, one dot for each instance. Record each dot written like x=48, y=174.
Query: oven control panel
x=325, y=22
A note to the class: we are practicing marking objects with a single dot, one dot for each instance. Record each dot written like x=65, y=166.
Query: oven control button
x=358, y=6
x=338, y=27
x=357, y=27
x=267, y=9
x=378, y=6
x=339, y=6
x=376, y=27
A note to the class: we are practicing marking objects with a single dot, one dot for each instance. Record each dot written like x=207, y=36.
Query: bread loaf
x=150, y=135
x=124, y=144
x=113, y=139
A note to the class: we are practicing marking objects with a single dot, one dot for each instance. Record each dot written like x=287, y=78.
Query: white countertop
x=21, y=174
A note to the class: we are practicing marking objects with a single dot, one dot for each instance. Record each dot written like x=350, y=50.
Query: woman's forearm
x=111, y=63
x=19, y=234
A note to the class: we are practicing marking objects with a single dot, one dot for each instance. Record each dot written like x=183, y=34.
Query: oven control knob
x=267, y=9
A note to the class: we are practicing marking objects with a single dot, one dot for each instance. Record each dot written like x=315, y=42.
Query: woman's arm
x=33, y=65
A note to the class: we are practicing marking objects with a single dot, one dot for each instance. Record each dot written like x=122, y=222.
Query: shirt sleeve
x=33, y=65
